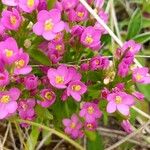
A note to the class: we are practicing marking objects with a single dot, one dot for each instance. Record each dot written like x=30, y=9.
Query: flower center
x=80, y=14
x=118, y=100
x=48, y=25
x=5, y=99
x=73, y=125
x=8, y=53
x=58, y=36
x=59, y=47
x=24, y=106
x=131, y=49
x=48, y=95
x=13, y=20
x=139, y=76
x=90, y=110
x=89, y=125
x=88, y=39
x=30, y=3
x=20, y=64
x=59, y=79
x=97, y=62
x=76, y=88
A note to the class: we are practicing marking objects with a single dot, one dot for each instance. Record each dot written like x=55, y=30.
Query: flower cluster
x=54, y=60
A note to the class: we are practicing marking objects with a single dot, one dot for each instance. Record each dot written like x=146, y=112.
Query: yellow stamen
x=138, y=76
x=5, y=99
x=59, y=79
x=13, y=20
x=90, y=110
x=59, y=47
x=118, y=100
x=89, y=39
x=30, y=3
x=20, y=63
x=48, y=95
x=48, y=25
x=76, y=88
x=80, y=14
x=73, y=125
x=96, y=62
x=8, y=53
x=89, y=125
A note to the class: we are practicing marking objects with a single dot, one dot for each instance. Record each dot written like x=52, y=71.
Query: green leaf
x=134, y=24
x=33, y=138
x=146, y=6
x=43, y=113
x=39, y=56
x=142, y=38
x=145, y=89
x=94, y=141
x=50, y=3
x=145, y=23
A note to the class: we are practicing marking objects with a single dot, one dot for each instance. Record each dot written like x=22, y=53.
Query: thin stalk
x=128, y=137
x=53, y=131
x=96, y=16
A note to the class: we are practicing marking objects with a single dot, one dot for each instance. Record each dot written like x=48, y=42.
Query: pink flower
x=28, y=5
x=49, y=24
x=104, y=17
x=99, y=62
x=57, y=46
x=84, y=67
x=4, y=78
x=123, y=69
x=99, y=3
x=90, y=112
x=31, y=82
x=91, y=38
x=78, y=14
x=8, y=50
x=138, y=95
x=69, y=4
x=91, y=125
x=131, y=46
x=8, y=104
x=141, y=75
x=10, y=2
x=125, y=124
x=104, y=93
x=59, y=77
x=48, y=98
x=21, y=64
x=77, y=30
x=42, y=5
x=119, y=101
x=73, y=127
x=11, y=20
x=2, y=29
x=54, y=56
x=76, y=89
x=26, y=109
x=64, y=96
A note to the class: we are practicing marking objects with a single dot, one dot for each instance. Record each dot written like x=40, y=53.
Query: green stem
x=53, y=131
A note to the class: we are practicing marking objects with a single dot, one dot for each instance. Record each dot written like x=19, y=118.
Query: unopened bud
x=27, y=43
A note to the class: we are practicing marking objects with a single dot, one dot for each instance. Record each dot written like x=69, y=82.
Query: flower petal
x=123, y=109
x=111, y=107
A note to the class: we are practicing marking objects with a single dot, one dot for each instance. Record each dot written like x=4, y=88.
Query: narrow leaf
x=142, y=38
x=39, y=56
x=134, y=24
x=94, y=141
